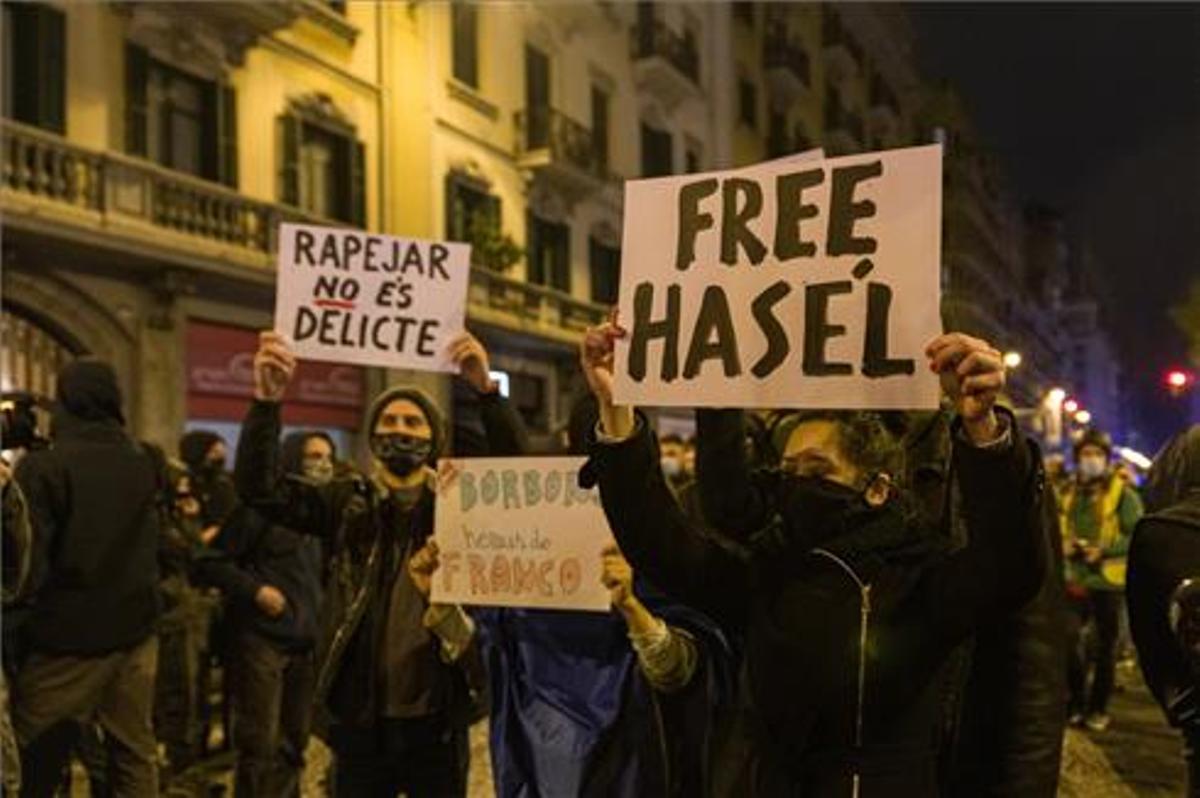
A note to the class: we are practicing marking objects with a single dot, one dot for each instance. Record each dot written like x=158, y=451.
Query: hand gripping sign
x=793, y=283
x=519, y=532
x=349, y=296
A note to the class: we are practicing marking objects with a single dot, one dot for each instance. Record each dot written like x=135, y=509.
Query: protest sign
x=793, y=283
x=519, y=532
x=350, y=296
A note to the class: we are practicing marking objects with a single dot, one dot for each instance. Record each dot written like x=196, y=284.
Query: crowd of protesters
x=826, y=603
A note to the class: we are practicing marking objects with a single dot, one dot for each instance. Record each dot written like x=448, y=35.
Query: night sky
x=1095, y=110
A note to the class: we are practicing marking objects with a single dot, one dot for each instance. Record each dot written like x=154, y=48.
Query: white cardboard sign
x=350, y=296
x=519, y=532
x=794, y=283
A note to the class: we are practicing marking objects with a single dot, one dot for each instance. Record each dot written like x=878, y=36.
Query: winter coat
x=846, y=645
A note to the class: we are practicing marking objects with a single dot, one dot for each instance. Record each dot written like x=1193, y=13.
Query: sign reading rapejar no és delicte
x=788, y=284
x=350, y=296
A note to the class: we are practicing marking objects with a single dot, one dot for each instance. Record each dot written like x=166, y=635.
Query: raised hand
x=271, y=601
x=469, y=354
x=422, y=565
x=597, y=359
x=617, y=575
x=274, y=365
x=972, y=375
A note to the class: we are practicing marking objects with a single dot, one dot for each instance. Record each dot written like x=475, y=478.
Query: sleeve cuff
x=603, y=437
x=1002, y=442
x=454, y=629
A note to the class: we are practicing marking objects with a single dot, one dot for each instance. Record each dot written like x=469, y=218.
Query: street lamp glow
x=1137, y=458
x=1057, y=395
x=1177, y=379
x=1012, y=359
x=1083, y=416
x=1070, y=406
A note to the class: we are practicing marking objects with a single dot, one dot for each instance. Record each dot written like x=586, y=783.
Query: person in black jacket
x=398, y=678
x=851, y=608
x=204, y=453
x=271, y=579
x=93, y=504
x=1164, y=569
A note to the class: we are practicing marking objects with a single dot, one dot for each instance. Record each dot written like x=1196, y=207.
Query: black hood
x=88, y=390
x=291, y=451
x=437, y=422
x=194, y=447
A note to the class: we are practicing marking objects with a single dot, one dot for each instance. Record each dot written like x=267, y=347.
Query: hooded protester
x=593, y=704
x=1164, y=606
x=204, y=453
x=850, y=607
x=398, y=679
x=93, y=500
x=271, y=577
x=1098, y=513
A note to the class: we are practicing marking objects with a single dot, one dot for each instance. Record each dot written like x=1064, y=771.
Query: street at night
x=535, y=399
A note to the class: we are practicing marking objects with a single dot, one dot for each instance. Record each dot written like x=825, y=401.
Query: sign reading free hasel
x=519, y=532
x=349, y=296
x=792, y=283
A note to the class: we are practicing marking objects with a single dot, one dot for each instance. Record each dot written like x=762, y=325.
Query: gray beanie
x=437, y=421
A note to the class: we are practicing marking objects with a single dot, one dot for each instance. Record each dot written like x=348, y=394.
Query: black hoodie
x=93, y=503
x=254, y=553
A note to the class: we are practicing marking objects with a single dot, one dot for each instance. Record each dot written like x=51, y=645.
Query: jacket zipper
x=864, y=620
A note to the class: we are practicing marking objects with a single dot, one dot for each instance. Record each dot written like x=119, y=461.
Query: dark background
x=1095, y=109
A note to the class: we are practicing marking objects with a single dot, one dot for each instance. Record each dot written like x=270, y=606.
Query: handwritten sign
x=792, y=283
x=519, y=532
x=349, y=296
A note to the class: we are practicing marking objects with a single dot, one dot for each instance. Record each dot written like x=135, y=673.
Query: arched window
x=32, y=353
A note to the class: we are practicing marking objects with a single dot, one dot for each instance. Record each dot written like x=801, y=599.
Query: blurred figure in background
x=1098, y=512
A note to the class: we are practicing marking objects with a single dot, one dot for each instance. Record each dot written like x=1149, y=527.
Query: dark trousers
x=54, y=694
x=421, y=757
x=1104, y=609
x=272, y=712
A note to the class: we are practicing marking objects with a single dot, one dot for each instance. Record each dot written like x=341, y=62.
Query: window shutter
x=227, y=157
x=287, y=129
x=358, y=183
x=137, y=69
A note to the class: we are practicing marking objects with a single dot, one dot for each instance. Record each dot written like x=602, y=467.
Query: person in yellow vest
x=1099, y=511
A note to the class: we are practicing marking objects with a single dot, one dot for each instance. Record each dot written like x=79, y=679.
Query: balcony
x=665, y=63
x=560, y=150
x=236, y=25
x=844, y=132
x=842, y=53
x=527, y=308
x=580, y=16
x=885, y=109
x=49, y=185
x=787, y=70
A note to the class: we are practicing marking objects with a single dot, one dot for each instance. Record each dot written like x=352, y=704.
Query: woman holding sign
x=851, y=612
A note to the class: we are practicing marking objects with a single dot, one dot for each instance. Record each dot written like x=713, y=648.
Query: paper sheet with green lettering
x=519, y=532
x=805, y=283
x=349, y=296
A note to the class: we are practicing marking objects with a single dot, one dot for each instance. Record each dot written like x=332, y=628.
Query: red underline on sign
x=334, y=303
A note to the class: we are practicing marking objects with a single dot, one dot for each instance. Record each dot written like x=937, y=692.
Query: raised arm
x=295, y=504
x=733, y=502
x=502, y=425
x=1000, y=483
x=649, y=526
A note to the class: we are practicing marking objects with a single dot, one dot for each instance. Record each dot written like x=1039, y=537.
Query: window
x=465, y=201
x=743, y=11
x=604, y=262
x=747, y=103
x=657, y=160
x=35, y=60
x=801, y=139
x=692, y=161
x=464, y=23
x=549, y=248
x=537, y=98
x=600, y=126
x=179, y=120
x=322, y=168
x=777, y=137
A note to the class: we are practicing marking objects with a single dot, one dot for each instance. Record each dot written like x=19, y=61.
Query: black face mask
x=401, y=454
x=816, y=510
x=214, y=466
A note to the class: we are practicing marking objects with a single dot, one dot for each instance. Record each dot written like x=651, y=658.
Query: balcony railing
x=115, y=191
x=527, y=307
x=563, y=138
x=842, y=53
x=657, y=39
x=844, y=128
